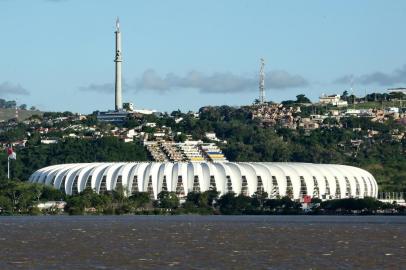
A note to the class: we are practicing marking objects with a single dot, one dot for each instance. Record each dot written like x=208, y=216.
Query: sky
x=58, y=55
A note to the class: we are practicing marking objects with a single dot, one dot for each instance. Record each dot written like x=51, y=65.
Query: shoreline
x=151, y=214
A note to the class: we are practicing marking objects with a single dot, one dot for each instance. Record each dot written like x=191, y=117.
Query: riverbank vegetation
x=22, y=198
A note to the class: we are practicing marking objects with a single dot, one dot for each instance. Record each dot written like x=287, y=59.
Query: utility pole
x=8, y=167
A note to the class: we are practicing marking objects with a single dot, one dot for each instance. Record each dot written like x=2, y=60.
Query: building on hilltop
x=334, y=100
x=116, y=117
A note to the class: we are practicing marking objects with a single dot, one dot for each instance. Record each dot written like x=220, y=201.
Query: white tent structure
x=296, y=180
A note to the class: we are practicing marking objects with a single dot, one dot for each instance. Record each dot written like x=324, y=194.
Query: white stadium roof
x=324, y=181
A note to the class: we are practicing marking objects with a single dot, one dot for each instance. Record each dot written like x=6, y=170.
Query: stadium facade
x=296, y=180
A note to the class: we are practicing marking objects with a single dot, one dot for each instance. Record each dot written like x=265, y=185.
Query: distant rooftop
x=397, y=90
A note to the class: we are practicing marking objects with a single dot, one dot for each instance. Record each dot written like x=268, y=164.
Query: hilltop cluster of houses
x=291, y=117
x=276, y=114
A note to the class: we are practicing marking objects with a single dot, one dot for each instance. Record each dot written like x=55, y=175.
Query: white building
x=353, y=112
x=152, y=124
x=330, y=99
x=49, y=141
x=145, y=111
x=211, y=136
x=334, y=100
x=128, y=106
x=57, y=205
x=392, y=110
x=277, y=179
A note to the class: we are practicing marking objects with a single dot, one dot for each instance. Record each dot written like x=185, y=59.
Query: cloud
x=101, y=88
x=346, y=79
x=280, y=79
x=7, y=88
x=105, y=88
x=219, y=82
x=398, y=76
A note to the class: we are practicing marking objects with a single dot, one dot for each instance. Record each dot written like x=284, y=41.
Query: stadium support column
x=118, y=60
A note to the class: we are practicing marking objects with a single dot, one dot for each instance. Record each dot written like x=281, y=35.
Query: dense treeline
x=209, y=202
x=7, y=104
x=21, y=198
x=37, y=155
x=11, y=104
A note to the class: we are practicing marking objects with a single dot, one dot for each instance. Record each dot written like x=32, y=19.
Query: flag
x=307, y=199
x=11, y=154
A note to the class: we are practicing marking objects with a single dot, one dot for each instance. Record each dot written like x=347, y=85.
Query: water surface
x=202, y=242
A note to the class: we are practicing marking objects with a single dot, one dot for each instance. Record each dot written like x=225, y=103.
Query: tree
x=259, y=198
x=180, y=137
x=330, y=121
x=177, y=113
x=168, y=200
x=227, y=203
x=140, y=199
x=289, y=192
x=36, y=190
x=194, y=198
x=209, y=197
x=75, y=205
x=6, y=204
x=287, y=202
x=344, y=95
x=302, y=99
x=243, y=204
x=119, y=194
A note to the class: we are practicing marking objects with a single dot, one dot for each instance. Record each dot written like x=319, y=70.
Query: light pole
x=8, y=167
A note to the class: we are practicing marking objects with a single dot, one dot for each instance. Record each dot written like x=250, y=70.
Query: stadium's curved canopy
x=296, y=180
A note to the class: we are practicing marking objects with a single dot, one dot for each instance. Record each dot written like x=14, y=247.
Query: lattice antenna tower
x=262, y=82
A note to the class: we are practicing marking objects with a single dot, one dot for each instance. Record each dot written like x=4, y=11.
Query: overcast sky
x=181, y=54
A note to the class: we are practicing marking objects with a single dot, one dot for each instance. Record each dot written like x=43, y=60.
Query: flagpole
x=8, y=167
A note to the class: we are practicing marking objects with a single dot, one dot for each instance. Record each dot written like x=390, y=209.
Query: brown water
x=203, y=242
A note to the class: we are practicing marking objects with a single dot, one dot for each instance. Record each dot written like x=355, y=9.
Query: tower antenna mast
x=262, y=82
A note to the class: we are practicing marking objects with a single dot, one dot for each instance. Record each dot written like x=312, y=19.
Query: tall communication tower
x=262, y=82
x=118, y=59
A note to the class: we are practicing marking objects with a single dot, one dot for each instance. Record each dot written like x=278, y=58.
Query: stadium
x=296, y=180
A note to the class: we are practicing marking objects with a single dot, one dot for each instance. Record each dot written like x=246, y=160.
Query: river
x=203, y=242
